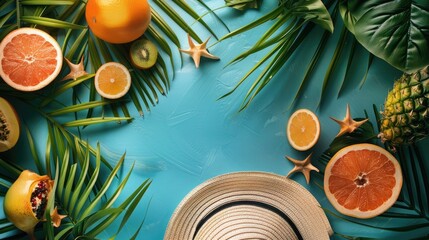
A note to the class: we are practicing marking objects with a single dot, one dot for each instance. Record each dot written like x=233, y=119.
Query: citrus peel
x=112, y=80
x=362, y=180
x=30, y=59
x=118, y=21
x=303, y=129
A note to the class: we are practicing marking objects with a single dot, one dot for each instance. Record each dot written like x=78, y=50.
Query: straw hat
x=248, y=205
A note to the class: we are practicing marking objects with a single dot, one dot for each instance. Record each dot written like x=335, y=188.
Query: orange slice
x=30, y=59
x=303, y=129
x=112, y=80
x=362, y=180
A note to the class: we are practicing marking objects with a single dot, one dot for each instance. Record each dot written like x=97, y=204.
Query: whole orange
x=118, y=21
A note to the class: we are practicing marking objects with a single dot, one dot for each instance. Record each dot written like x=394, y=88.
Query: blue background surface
x=191, y=136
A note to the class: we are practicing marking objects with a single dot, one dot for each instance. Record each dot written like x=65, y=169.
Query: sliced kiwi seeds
x=143, y=53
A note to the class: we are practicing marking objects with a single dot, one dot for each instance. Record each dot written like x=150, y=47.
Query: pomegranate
x=26, y=200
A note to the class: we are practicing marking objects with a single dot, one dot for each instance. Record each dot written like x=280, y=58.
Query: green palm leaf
x=88, y=207
x=79, y=197
x=298, y=17
x=243, y=4
x=410, y=214
x=80, y=185
x=68, y=17
x=309, y=16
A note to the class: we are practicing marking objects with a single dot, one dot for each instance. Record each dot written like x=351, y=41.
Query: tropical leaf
x=67, y=18
x=313, y=10
x=303, y=26
x=364, y=134
x=243, y=4
x=50, y=22
x=395, y=31
x=81, y=190
x=293, y=21
x=410, y=214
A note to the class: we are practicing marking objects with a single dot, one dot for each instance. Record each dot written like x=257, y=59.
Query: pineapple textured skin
x=405, y=118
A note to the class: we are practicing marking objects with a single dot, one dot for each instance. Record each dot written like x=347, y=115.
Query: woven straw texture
x=249, y=205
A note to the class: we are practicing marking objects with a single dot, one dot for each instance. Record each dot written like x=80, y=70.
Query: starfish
x=76, y=70
x=303, y=166
x=348, y=125
x=196, y=51
x=56, y=217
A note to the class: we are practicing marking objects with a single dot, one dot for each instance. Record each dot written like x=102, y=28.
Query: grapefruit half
x=362, y=180
x=30, y=59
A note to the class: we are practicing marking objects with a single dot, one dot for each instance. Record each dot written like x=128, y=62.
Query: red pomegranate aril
x=38, y=199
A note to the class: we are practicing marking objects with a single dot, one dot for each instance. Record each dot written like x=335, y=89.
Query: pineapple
x=406, y=111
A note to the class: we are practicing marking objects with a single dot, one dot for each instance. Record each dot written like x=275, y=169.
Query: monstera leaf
x=396, y=31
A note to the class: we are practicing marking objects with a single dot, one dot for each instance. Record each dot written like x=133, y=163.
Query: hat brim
x=249, y=205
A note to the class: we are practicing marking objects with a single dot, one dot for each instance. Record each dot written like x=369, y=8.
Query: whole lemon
x=118, y=21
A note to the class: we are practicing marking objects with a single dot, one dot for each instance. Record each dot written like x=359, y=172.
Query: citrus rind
x=59, y=58
x=291, y=139
x=124, y=90
x=356, y=212
x=119, y=21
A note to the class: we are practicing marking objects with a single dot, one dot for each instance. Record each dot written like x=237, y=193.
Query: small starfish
x=196, y=51
x=76, y=70
x=303, y=166
x=56, y=217
x=348, y=125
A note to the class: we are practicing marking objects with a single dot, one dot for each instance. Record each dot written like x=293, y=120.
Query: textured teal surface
x=190, y=136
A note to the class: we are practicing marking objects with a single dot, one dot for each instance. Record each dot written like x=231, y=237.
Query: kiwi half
x=143, y=53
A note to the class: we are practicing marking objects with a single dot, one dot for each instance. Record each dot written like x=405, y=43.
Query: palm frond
x=333, y=64
x=410, y=214
x=243, y=4
x=67, y=17
x=81, y=190
x=296, y=24
x=292, y=42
